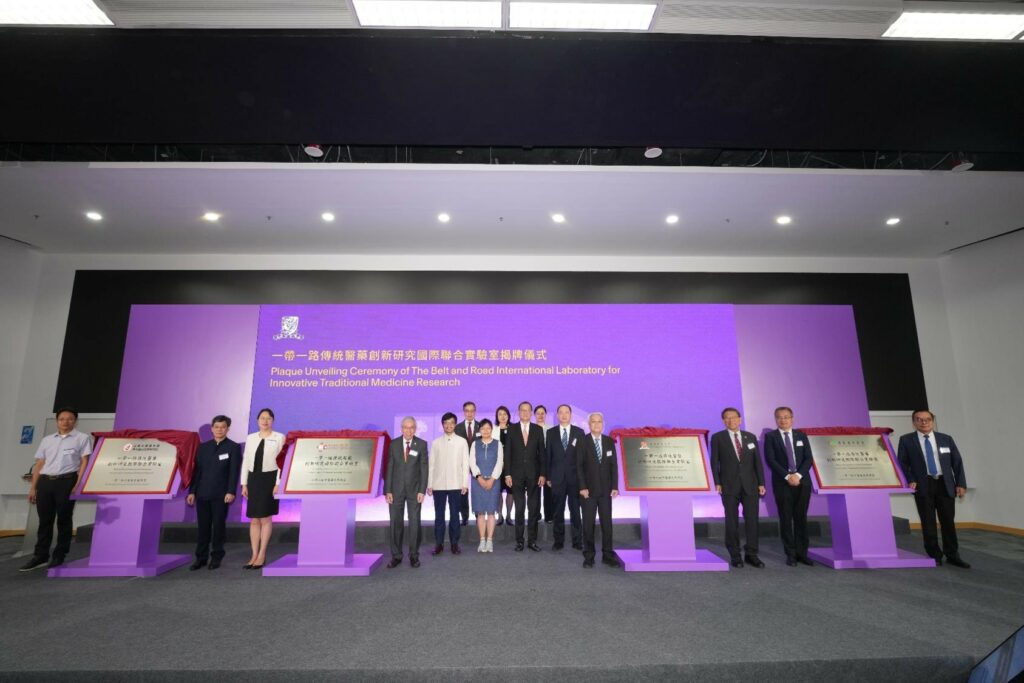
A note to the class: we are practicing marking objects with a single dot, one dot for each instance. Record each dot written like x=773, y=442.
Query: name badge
x=799, y=443
x=223, y=456
x=574, y=442
x=750, y=446
x=609, y=453
x=414, y=453
x=477, y=435
x=943, y=449
x=71, y=451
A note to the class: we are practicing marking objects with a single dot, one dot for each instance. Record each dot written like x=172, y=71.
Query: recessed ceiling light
x=783, y=220
x=652, y=152
x=581, y=15
x=211, y=216
x=672, y=219
x=429, y=13
x=558, y=217
x=327, y=216
x=313, y=150
x=892, y=221
x=443, y=217
x=53, y=13
x=94, y=215
x=995, y=23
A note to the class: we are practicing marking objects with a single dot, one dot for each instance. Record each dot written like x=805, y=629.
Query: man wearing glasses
x=935, y=471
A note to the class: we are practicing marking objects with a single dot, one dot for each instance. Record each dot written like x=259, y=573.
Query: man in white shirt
x=60, y=464
x=468, y=429
x=447, y=482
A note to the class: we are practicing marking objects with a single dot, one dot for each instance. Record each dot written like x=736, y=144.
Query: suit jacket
x=214, y=475
x=403, y=477
x=733, y=474
x=525, y=462
x=778, y=461
x=598, y=479
x=460, y=430
x=561, y=462
x=912, y=461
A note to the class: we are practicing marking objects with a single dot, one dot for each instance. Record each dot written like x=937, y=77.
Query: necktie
x=597, y=447
x=407, y=451
x=565, y=439
x=469, y=430
x=739, y=447
x=789, y=452
x=526, y=434
x=929, y=455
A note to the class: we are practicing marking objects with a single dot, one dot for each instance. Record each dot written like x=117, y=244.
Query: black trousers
x=547, y=503
x=591, y=507
x=731, y=503
x=53, y=501
x=526, y=494
x=793, y=502
x=932, y=499
x=401, y=503
x=559, y=495
x=211, y=519
x=464, y=506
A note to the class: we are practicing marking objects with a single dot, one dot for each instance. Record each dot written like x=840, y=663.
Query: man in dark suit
x=597, y=471
x=933, y=467
x=524, y=472
x=788, y=454
x=739, y=477
x=405, y=484
x=469, y=430
x=212, y=490
x=562, y=483
x=540, y=416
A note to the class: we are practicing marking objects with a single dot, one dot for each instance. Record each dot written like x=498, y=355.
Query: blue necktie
x=789, y=452
x=929, y=456
x=597, y=447
x=565, y=439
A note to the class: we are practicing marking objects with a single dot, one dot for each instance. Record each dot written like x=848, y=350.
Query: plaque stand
x=666, y=527
x=125, y=539
x=327, y=535
x=863, y=535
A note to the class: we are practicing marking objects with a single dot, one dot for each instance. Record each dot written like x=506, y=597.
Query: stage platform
x=514, y=616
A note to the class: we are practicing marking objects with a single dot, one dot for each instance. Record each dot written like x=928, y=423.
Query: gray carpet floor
x=524, y=616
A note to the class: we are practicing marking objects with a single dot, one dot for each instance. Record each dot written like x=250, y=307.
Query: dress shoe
x=737, y=563
x=558, y=545
x=456, y=550
x=588, y=564
x=414, y=562
x=549, y=521
x=957, y=562
x=534, y=547
x=33, y=563
x=805, y=560
x=214, y=564
x=790, y=562
x=577, y=546
x=938, y=561
x=438, y=549
x=248, y=566
x=198, y=564
x=465, y=522
x=55, y=561
x=519, y=547
x=256, y=566
x=611, y=561
x=754, y=561
x=395, y=561
x=500, y=522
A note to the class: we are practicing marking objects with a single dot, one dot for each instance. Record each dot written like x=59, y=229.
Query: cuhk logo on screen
x=289, y=328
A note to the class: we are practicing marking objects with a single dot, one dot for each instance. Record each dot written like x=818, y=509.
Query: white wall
x=984, y=292
x=41, y=358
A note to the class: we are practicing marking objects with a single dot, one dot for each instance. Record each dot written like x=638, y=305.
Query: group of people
x=479, y=461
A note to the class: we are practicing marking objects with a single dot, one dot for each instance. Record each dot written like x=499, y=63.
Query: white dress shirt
x=272, y=445
x=63, y=454
x=449, y=463
x=930, y=436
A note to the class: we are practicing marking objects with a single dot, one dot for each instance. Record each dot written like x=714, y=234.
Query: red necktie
x=407, y=451
x=739, y=447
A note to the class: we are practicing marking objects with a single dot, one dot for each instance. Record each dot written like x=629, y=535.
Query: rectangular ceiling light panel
x=52, y=13
x=582, y=16
x=428, y=13
x=957, y=25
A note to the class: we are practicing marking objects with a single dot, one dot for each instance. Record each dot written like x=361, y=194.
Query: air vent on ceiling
x=230, y=13
x=774, y=19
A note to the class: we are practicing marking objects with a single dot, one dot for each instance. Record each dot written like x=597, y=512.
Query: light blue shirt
x=63, y=454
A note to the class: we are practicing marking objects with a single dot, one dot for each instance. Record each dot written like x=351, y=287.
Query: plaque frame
x=374, y=459
x=900, y=485
x=172, y=480
x=709, y=488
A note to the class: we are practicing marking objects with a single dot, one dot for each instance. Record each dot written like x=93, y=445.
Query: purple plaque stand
x=125, y=537
x=666, y=526
x=327, y=533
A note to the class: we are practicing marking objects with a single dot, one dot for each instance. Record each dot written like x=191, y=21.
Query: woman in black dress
x=502, y=417
x=260, y=478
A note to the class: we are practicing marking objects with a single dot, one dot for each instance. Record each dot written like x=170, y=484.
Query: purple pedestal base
x=82, y=568
x=327, y=535
x=863, y=535
x=666, y=527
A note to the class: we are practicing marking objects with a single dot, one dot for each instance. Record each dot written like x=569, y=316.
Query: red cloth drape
x=186, y=443
x=838, y=431
x=658, y=431
x=334, y=434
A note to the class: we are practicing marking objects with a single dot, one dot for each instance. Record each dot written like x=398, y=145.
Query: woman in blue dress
x=486, y=459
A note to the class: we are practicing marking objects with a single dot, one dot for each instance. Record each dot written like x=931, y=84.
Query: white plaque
x=854, y=461
x=338, y=465
x=132, y=466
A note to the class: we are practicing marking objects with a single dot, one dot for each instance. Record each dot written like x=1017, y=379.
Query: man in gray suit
x=405, y=484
